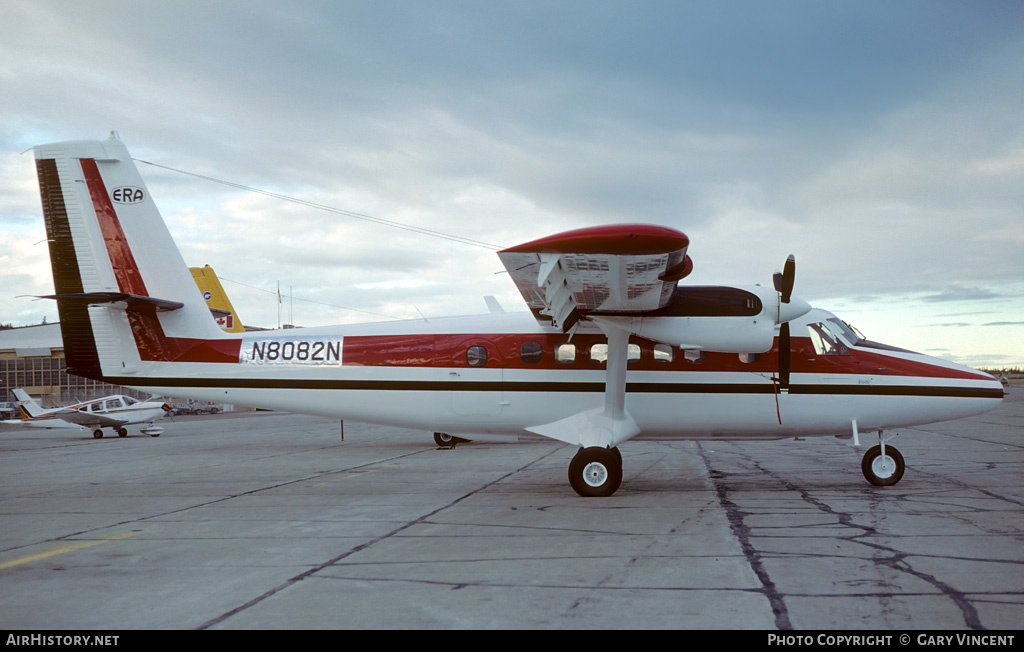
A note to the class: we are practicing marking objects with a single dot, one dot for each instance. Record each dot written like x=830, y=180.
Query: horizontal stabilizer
x=134, y=301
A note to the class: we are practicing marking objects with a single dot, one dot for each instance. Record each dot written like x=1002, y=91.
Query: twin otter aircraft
x=612, y=347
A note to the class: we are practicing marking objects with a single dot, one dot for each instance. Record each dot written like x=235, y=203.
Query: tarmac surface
x=272, y=521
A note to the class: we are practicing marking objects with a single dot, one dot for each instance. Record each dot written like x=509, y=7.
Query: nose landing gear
x=883, y=465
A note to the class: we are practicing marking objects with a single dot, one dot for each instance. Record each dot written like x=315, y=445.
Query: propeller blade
x=782, y=359
x=785, y=353
x=785, y=285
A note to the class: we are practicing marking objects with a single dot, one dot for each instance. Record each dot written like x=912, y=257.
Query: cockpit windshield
x=849, y=333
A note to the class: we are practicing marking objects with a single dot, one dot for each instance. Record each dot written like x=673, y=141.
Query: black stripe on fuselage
x=560, y=387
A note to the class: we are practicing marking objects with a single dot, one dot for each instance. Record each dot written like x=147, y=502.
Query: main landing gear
x=444, y=440
x=883, y=465
x=596, y=471
x=98, y=433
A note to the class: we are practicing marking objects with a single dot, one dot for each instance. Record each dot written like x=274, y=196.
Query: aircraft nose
x=795, y=308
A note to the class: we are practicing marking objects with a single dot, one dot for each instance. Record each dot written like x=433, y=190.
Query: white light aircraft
x=117, y=412
x=612, y=347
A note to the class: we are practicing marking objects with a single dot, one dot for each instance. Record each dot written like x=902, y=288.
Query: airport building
x=32, y=358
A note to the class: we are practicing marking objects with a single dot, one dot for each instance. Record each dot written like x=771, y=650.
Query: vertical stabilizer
x=217, y=299
x=124, y=294
x=27, y=405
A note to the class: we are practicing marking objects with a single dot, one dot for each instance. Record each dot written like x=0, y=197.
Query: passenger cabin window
x=565, y=353
x=128, y=400
x=530, y=352
x=825, y=341
x=663, y=353
x=599, y=353
x=476, y=356
x=114, y=404
x=693, y=356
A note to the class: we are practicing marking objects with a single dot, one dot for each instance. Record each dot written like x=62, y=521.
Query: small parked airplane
x=116, y=412
x=612, y=347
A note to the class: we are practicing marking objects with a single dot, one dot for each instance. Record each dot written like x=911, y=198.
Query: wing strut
x=601, y=427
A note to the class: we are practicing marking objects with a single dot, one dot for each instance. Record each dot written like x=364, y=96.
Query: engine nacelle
x=724, y=334
x=712, y=318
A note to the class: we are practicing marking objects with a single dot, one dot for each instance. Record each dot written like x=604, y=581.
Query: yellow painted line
x=66, y=549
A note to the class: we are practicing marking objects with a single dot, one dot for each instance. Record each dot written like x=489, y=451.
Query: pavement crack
x=741, y=530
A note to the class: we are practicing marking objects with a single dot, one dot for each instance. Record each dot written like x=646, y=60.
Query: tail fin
x=217, y=299
x=124, y=294
x=27, y=405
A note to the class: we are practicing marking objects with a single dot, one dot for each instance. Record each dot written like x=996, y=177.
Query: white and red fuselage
x=503, y=373
x=612, y=347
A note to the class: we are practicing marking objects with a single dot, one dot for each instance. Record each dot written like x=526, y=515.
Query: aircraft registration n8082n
x=612, y=347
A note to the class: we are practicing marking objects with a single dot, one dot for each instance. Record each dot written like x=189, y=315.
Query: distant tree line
x=1015, y=371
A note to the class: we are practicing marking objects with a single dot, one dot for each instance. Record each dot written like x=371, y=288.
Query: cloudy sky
x=880, y=142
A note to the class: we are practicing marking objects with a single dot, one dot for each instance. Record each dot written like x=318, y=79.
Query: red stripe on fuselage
x=506, y=350
x=149, y=335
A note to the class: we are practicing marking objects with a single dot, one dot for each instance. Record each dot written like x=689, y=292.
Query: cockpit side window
x=825, y=341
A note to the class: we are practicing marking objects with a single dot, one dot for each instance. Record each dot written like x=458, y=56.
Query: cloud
x=881, y=145
x=959, y=293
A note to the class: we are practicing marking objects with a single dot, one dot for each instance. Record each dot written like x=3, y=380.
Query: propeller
x=784, y=280
x=784, y=286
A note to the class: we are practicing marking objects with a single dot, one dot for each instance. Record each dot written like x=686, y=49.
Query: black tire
x=595, y=472
x=873, y=466
x=97, y=434
x=122, y=432
x=444, y=439
x=155, y=435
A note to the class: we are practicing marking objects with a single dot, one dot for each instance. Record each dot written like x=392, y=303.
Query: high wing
x=622, y=278
x=616, y=269
x=621, y=268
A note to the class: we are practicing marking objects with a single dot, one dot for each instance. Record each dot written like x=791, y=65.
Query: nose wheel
x=596, y=471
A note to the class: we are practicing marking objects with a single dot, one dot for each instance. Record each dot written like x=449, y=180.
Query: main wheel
x=595, y=472
x=444, y=439
x=883, y=470
x=122, y=432
x=97, y=434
